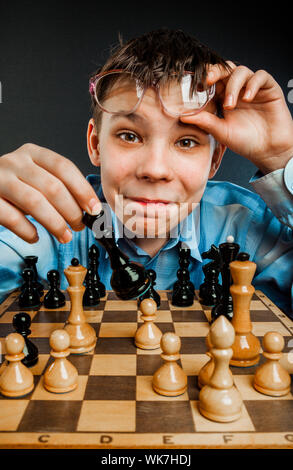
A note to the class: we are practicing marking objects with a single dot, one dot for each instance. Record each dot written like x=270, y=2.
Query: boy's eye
x=128, y=137
x=186, y=143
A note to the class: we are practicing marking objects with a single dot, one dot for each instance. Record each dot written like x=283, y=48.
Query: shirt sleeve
x=270, y=242
x=272, y=189
x=13, y=250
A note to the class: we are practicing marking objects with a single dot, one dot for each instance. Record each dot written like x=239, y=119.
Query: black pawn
x=229, y=251
x=182, y=295
x=151, y=293
x=94, y=265
x=21, y=323
x=29, y=297
x=91, y=296
x=184, y=260
x=31, y=262
x=129, y=279
x=54, y=297
x=210, y=291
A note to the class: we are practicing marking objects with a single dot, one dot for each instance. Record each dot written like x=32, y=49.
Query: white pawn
x=16, y=380
x=271, y=378
x=148, y=335
x=61, y=375
x=219, y=400
x=170, y=380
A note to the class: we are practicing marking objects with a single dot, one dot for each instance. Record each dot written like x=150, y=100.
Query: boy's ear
x=93, y=143
x=217, y=158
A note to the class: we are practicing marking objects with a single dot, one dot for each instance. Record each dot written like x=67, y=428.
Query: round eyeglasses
x=118, y=92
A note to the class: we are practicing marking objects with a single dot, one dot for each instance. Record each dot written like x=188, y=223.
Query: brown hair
x=154, y=56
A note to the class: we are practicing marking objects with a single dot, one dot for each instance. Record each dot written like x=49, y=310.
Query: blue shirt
x=260, y=223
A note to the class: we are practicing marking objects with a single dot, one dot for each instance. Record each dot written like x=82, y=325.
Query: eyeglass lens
x=118, y=92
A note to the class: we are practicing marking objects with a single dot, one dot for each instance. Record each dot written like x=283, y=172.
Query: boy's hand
x=257, y=123
x=47, y=186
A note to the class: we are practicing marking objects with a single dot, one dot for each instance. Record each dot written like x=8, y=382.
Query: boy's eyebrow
x=132, y=117
x=137, y=118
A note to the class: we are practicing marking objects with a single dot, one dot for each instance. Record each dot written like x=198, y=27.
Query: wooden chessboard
x=115, y=406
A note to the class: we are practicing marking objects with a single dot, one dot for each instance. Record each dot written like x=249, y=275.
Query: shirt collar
x=187, y=232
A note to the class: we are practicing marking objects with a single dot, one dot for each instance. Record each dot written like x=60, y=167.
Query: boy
x=165, y=108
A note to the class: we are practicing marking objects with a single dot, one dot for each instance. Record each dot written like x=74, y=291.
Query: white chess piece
x=271, y=378
x=148, y=335
x=61, y=375
x=16, y=380
x=219, y=400
x=170, y=380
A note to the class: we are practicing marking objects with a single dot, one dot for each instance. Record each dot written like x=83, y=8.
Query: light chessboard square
x=107, y=416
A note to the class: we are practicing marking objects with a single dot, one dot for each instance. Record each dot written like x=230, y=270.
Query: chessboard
x=114, y=405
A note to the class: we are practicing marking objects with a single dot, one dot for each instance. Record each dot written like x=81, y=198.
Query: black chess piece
x=151, y=293
x=29, y=297
x=182, y=295
x=129, y=279
x=94, y=266
x=91, y=296
x=228, y=251
x=184, y=261
x=210, y=291
x=31, y=262
x=54, y=297
x=21, y=323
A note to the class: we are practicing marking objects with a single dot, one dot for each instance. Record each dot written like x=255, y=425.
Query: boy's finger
x=234, y=85
x=28, y=199
x=13, y=218
x=71, y=176
x=260, y=79
x=210, y=123
x=55, y=192
x=218, y=72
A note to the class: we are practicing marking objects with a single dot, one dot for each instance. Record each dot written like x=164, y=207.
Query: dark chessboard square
x=271, y=415
x=263, y=316
x=192, y=387
x=164, y=417
x=164, y=305
x=110, y=388
x=112, y=296
x=42, y=344
x=115, y=346
x=50, y=416
x=119, y=316
x=148, y=364
x=188, y=316
x=6, y=329
x=165, y=327
x=48, y=316
x=193, y=345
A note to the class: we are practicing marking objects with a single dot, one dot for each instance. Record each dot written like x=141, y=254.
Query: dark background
x=49, y=49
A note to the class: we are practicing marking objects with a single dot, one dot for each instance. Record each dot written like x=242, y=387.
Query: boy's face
x=151, y=155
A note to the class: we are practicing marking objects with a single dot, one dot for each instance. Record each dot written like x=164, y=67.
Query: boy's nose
x=155, y=164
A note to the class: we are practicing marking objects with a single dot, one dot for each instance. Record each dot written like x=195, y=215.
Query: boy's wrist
x=276, y=163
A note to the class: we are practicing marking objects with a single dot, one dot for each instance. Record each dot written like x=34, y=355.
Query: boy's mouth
x=149, y=201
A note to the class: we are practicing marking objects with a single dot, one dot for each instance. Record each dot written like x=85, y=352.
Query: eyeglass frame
x=156, y=85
